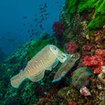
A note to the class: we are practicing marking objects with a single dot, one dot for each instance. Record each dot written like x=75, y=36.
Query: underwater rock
x=66, y=95
x=97, y=89
x=72, y=103
x=101, y=76
x=80, y=77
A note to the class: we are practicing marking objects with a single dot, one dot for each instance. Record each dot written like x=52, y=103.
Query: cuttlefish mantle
x=66, y=67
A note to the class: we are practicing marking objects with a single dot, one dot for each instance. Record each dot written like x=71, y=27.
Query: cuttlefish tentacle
x=59, y=54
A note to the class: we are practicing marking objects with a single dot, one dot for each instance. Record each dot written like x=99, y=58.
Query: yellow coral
x=87, y=36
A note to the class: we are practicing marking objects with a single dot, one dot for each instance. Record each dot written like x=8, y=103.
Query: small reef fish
x=65, y=67
x=45, y=59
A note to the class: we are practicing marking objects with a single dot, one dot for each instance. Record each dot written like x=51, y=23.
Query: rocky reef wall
x=81, y=29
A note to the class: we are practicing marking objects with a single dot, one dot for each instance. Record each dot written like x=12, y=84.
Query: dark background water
x=20, y=19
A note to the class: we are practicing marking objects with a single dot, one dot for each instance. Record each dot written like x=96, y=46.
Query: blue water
x=19, y=19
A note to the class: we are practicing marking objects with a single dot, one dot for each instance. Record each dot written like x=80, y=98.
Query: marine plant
x=80, y=6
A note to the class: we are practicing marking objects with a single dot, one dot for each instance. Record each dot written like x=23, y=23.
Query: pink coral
x=101, y=53
x=95, y=62
x=86, y=52
x=71, y=103
x=71, y=47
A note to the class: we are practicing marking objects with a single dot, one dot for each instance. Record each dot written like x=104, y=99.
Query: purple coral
x=58, y=28
x=87, y=47
x=71, y=47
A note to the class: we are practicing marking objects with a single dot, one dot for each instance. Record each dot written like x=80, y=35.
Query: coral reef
x=80, y=77
x=85, y=91
x=26, y=94
x=87, y=47
x=72, y=103
x=81, y=27
x=44, y=101
x=2, y=55
x=97, y=39
x=58, y=28
x=35, y=46
x=95, y=62
x=71, y=47
x=97, y=20
x=101, y=76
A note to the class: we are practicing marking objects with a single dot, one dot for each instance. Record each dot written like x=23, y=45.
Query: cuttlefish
x=45, y=59
x=66, y=66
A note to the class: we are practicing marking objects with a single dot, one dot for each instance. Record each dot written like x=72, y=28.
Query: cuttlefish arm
x=65, y=67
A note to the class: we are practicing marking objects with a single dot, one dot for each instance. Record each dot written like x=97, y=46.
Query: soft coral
x=95, y=62
x=58, y=28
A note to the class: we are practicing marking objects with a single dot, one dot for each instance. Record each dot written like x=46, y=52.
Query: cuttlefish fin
x=37, y=77
x=49, y=68
x=17, y=79
x=55, y=63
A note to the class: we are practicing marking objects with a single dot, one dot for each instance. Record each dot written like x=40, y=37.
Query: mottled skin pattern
x=65, y=67
x=39, y=62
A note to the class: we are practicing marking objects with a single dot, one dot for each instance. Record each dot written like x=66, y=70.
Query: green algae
x=71, y=7
x=98, y=20
x=86, y=5
x=35, y=47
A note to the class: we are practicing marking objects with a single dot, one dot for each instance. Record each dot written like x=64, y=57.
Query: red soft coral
x=58, y=28
x=97, y=69
x=95, y=62
x=71, y=47
x=87, y=61
x=99, y=52
x=71, y=103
